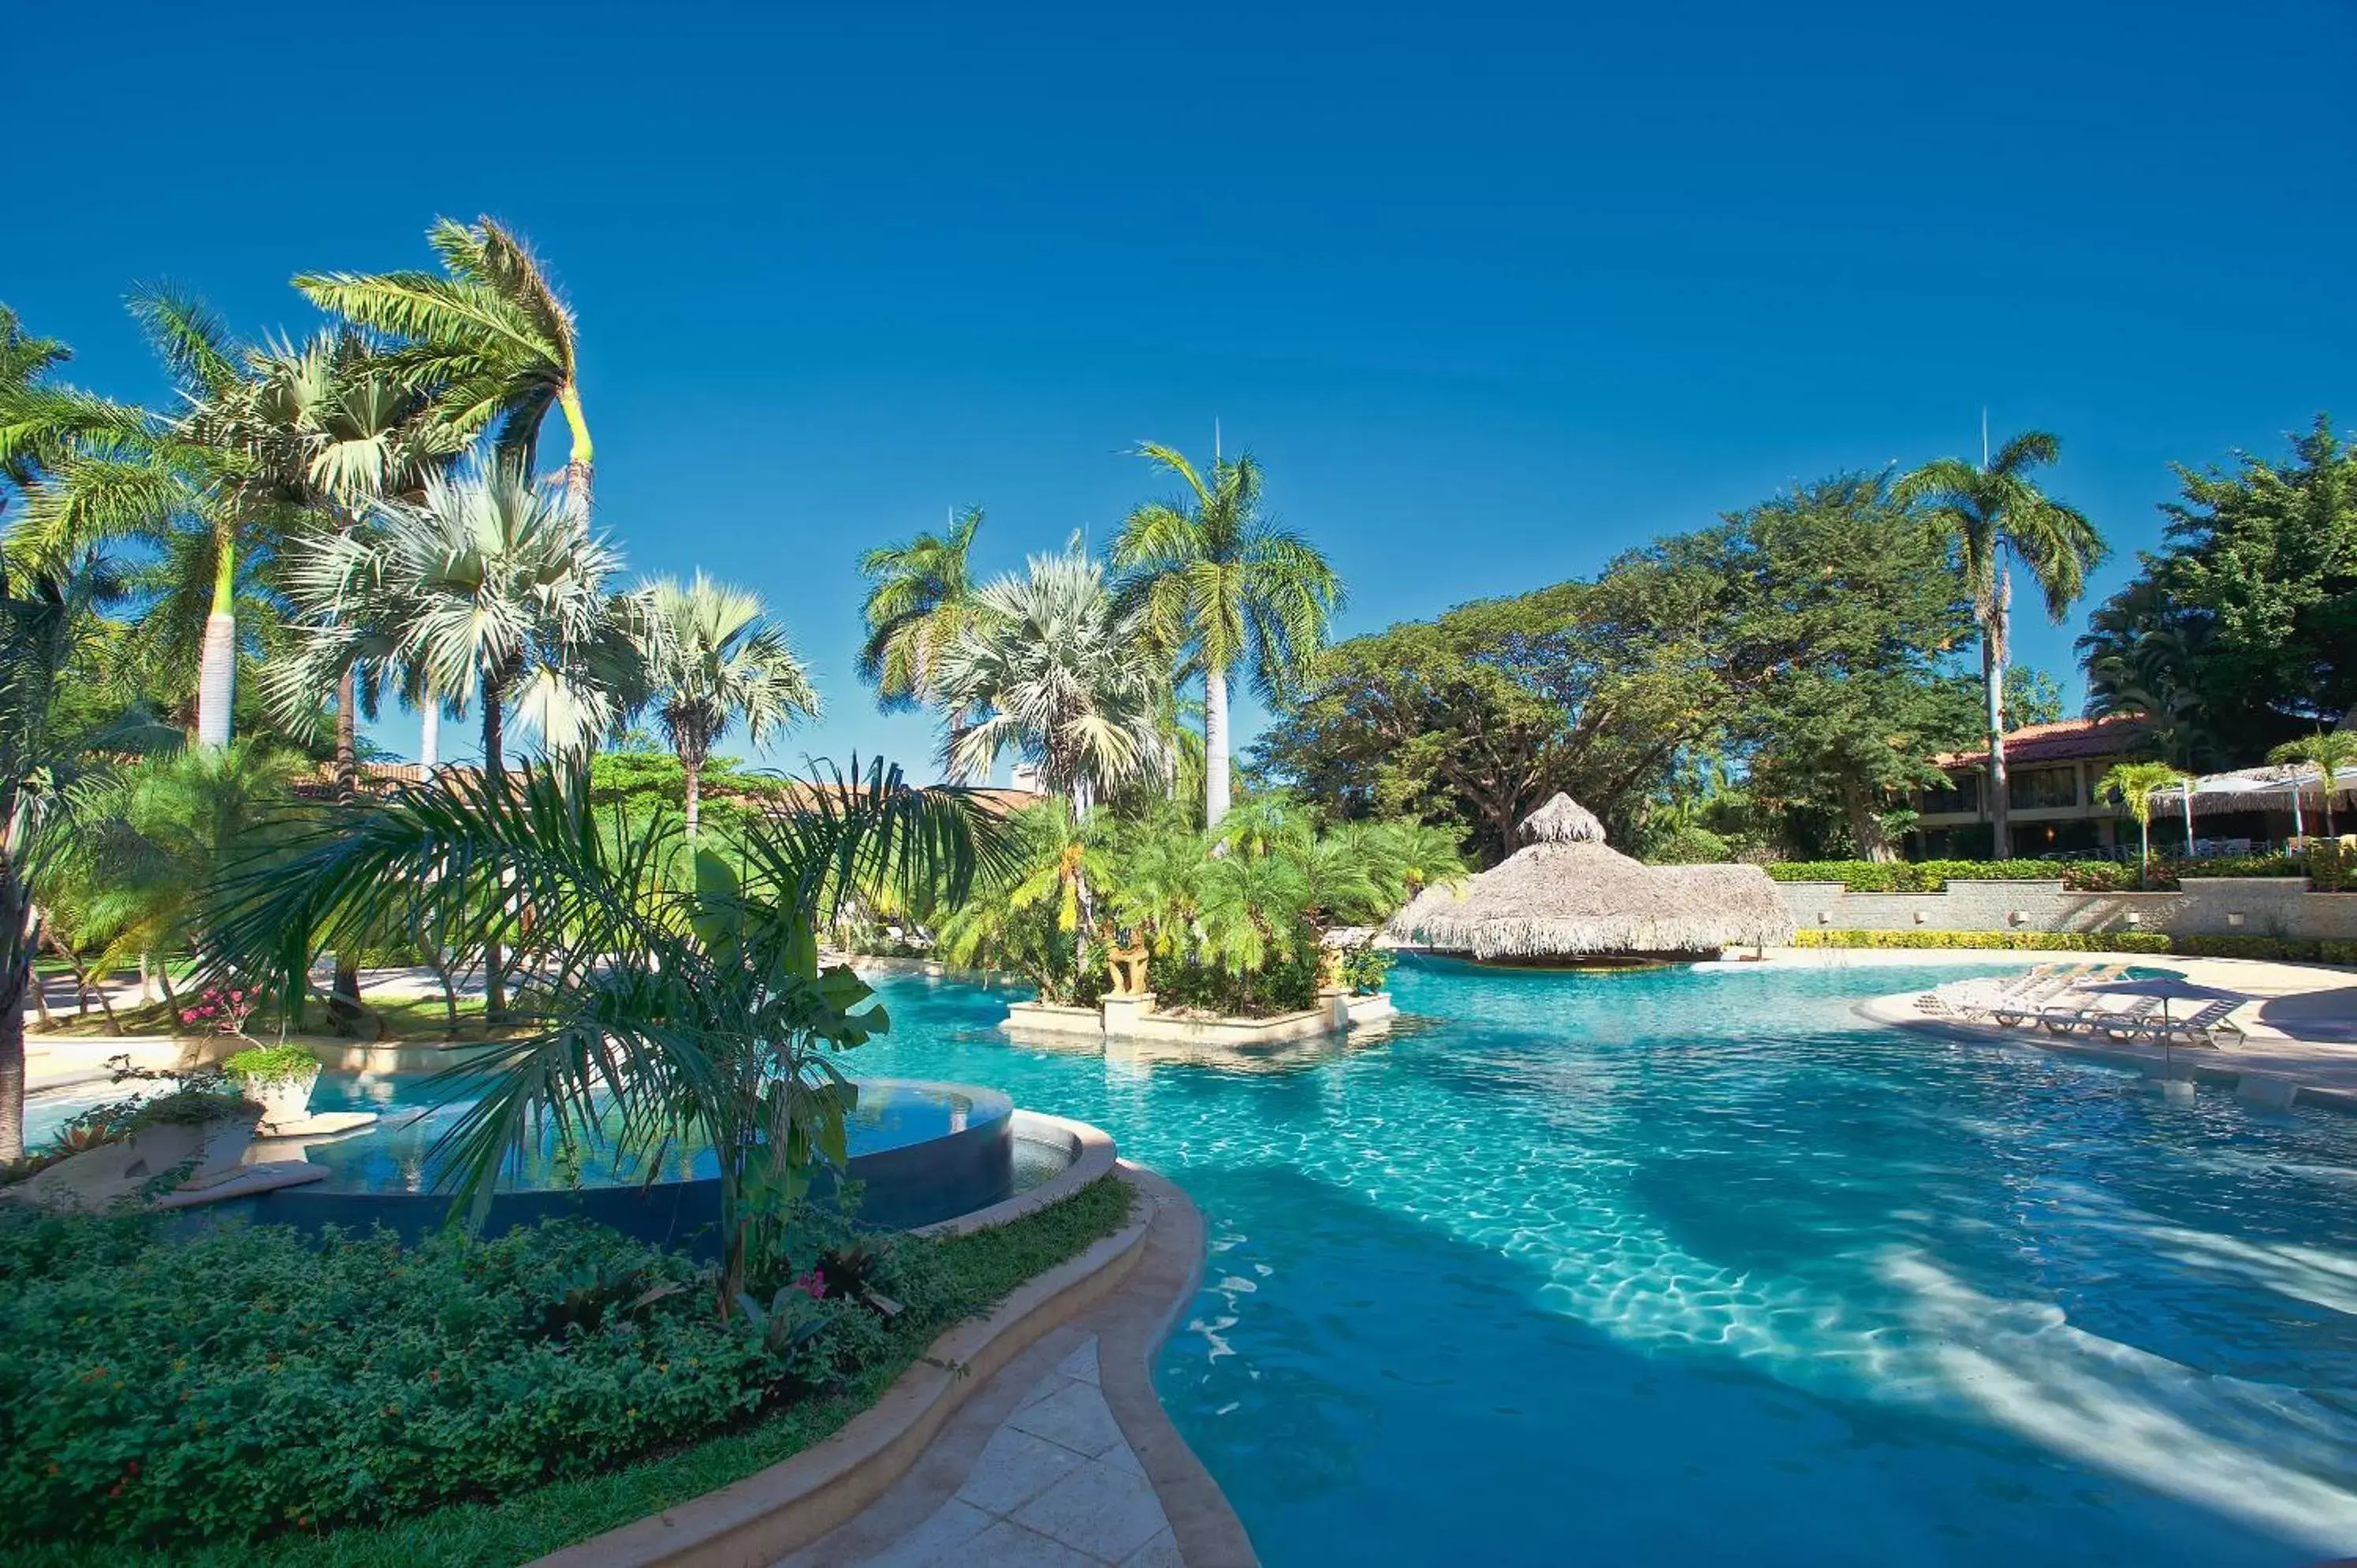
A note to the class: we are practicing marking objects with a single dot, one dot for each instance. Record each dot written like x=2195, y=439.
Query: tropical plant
x=1052, y=671
x=2136, y=783
x=490, y=337
x=2329, y=752
x=921, y=603
x=1998, y=515
x=661, y=1011
x=713, y=661
x=26, y=361
x=1209, y=575
x=1037, y=915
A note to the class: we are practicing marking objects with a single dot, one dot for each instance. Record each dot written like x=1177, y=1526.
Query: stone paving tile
x=1162, y=1552
x=943, y=1537
x=1015, y=1467
x=1123, y=1459
x=1051, y=1382
x=1082, y=1364
x=1008, y=1545
x=1097, y=1509
x=1074, y=1415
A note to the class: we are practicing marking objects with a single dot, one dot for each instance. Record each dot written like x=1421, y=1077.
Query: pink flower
x=813, y=1284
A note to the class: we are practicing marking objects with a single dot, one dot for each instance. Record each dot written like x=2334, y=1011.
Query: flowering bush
x=271, y=1064
x=222, y=1009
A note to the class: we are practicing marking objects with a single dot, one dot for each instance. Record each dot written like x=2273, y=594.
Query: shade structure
x=2168, y=987
x=1567, y=895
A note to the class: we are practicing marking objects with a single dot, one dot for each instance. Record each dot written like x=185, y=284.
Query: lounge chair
x=2028, y=1005
x=2201, y=1028
x=2101, y=1013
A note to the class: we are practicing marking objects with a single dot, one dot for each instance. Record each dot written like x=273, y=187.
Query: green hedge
x=2076, y=875
x=240, y=1391
x=2279, y=949
x=2020, y=941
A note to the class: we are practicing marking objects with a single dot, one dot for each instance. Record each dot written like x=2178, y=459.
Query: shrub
x=251, y=1381
x=1688, y=846
x=271, y=1064
x=2021, y=941
x=1364, y=968
x=2278, y=949
x=1287, y=985
x=1915, y=875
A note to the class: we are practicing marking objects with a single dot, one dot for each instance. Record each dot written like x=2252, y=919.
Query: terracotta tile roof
x=2068, y=740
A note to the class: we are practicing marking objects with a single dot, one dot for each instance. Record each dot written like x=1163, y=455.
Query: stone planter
x=215, y=1150
x=286, y=1101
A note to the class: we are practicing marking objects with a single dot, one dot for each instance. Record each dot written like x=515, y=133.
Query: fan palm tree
x=491, y=336
x=670, y=1011
x=2136, y=783
x=1210, y=575
x=2329, y=752
x=713, y=661
x=1998, y=516
x=921, y=602
x=1051, y=670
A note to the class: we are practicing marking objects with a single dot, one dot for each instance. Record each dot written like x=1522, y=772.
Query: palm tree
x=712, y=660
x=1211, y=575
x=921, y=603
x=25, y=362
x=489, y=335
x=1053, y=671
x=673, y=1008
x=2329, y=752
x=1998, y=515
x=2136, y=783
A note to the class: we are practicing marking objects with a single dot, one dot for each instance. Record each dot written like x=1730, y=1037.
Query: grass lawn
x=418, y=1020
x=987, y=1267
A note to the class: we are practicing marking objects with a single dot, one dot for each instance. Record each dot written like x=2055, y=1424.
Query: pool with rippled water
x=1693, y=1265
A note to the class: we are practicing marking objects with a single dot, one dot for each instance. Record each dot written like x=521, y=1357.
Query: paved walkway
x=1056, y=1485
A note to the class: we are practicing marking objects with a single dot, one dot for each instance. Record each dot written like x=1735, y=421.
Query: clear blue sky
x=1491, y=293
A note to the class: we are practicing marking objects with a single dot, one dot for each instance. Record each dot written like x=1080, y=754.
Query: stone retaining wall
x=2207, y=907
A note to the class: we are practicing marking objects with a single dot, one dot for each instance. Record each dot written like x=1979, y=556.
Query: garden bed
x=230, y=1399
x=2274, y=950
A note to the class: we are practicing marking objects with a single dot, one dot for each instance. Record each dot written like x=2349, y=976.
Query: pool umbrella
x=2168, y=988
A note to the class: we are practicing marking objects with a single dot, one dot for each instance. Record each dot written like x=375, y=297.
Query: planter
x=286, y=1101
x=216, y=1150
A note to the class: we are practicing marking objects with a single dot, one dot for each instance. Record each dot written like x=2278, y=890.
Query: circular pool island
x=920, y=1152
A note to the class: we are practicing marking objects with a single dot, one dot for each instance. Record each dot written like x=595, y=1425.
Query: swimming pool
x=1689, y=1265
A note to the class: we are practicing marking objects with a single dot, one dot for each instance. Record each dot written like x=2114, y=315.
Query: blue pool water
x=1692, y=1266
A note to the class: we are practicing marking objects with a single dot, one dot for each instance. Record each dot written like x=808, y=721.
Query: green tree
x=1212, y=575
x=26, y=362
x=920, y=601
x=489, y=335
x=1052, y=671
x=2134, y=784
x=1998, y=516
x=2329, y=753
x=666, y=1010
x=713, y=661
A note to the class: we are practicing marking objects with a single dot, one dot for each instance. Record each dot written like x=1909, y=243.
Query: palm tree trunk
x=495, y=994
x=429, y=738
x=217, y=668
x=578, y=471
x=344, y=994
x=12, y=1072
x=695, y=770
x=2144, y=850
x=1993, y=684
x=1215, y=747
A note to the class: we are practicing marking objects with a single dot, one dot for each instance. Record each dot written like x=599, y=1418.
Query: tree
x=25, y=364
x=1209, y=575
x=2136, y=783
x=491, y=334
x=666, y=1010
x=2329, y=753
x=1053, y=671
x=46, y=620
x=1998, y=516
x=921, y=603
x=712, y=662
x=2243, y=632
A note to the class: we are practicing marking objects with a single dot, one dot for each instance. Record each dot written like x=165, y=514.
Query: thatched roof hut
x=1567, y=895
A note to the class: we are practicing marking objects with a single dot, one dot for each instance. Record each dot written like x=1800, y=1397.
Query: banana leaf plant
x=661, y=1008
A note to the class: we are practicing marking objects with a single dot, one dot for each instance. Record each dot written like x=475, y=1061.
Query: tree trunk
x=344, y=994
x=429, y=738
x=216, y=667
x=579, y=470
x=495, y=772
x=691, y=762
x=1866, y=822
x=2143, y=849
x=1215, y=747
x=1993, y=681
x=12, y=1072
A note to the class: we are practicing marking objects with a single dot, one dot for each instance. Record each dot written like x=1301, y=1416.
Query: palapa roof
x=1567, y=894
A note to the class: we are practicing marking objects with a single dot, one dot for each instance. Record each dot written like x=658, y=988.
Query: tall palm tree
x=491, y=585
x=712, y=660
x=921, y=602
x=1998, y=516
x=2136, y=783
x=1053, y=671
x=2329, y=752
x=25, y=364
x=490, y=334
x=1211, y=575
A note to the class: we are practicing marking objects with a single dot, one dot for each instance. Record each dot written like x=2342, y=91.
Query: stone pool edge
x=1142, y=1277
